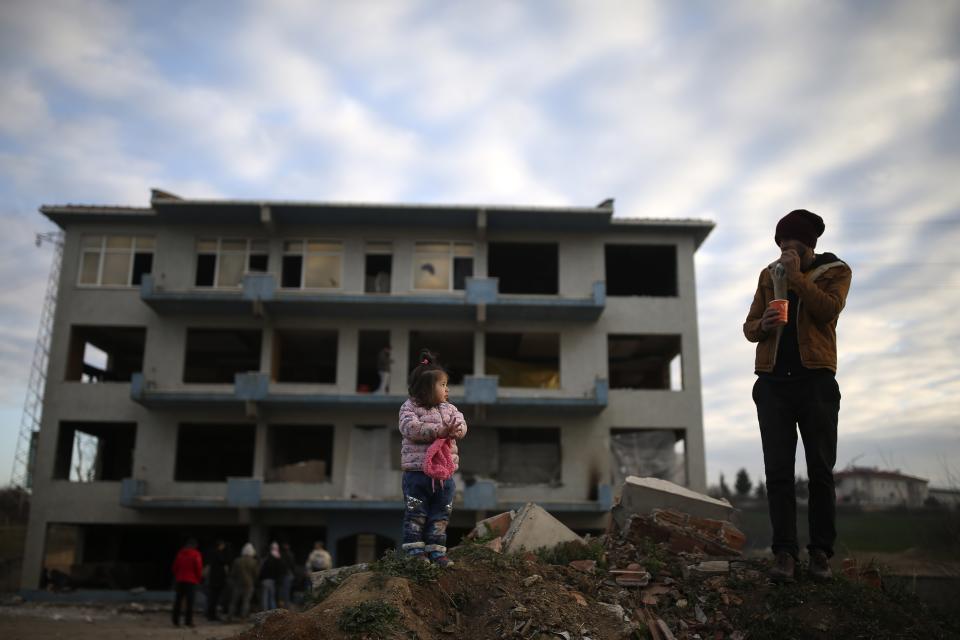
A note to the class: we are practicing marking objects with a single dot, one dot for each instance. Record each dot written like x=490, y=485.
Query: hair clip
x=424, y=361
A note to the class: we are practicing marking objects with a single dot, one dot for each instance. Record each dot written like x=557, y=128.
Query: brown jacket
x=823, y=293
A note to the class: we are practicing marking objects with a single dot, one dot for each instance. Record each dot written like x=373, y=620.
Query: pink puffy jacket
x=420, y=426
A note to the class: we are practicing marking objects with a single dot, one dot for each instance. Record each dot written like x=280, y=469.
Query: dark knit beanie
x=801, y=225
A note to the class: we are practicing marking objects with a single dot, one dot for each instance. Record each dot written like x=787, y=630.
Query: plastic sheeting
x=646, y=453
x=514, y=373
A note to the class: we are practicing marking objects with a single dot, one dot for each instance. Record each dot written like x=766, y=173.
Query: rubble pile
x=658, y=573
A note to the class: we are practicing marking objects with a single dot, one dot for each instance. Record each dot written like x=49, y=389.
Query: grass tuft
x=372, y=618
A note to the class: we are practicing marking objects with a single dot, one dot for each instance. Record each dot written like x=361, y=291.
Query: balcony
x=255, y=388
x=246, y=493
x=239, y=493
x=259, y=293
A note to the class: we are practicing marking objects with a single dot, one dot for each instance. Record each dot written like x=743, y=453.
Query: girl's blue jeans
x=427, y=507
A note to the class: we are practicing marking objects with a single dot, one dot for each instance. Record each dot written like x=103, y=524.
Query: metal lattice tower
x=23, y=459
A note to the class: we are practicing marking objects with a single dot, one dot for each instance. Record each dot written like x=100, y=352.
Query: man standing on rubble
x=796, y=364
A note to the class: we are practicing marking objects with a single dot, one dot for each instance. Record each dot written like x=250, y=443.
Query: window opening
x=454, y=350
x=657, y=453
x=645, y=361
x=217, y=355
x=300, y=453
x=94, y=451
x=312, y=264
x=371, y=358
x=442, y=266
x=233, y=444
x=302, y=355
x=527, y=360
x=222, y=262
x=115, y=260
x=641, y=270
x=378, y=267
x=524, y=267
x=105, y=354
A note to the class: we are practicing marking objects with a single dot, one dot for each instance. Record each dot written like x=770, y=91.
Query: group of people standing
x=231, y=584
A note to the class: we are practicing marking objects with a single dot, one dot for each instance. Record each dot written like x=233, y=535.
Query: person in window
x=383, y=370
x=796, y=387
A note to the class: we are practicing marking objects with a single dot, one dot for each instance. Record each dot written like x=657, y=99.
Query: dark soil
x=487, y=595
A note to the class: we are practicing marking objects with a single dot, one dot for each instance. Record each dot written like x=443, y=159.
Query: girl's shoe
x=415, y=551
x=438, y=555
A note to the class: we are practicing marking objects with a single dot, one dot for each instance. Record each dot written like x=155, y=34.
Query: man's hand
x=770, y=320
x=790, y=260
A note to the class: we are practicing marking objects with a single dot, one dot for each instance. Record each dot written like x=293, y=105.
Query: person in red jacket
x=187, y=573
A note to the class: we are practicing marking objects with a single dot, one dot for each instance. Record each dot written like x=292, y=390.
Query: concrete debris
x=710, y=567
x=586, y=566
x=533, y=528
x=529, y=581
x=633, y=576
x=495, y=545
x=699, y=614
x=495, y=526
x=615, y=609
x=684, y=534
x=643, y=495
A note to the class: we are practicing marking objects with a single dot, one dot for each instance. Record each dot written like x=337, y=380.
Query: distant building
x=879, y=488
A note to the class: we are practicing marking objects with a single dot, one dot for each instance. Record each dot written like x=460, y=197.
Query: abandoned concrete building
x=213, y=372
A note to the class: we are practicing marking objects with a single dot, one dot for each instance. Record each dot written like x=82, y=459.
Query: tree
x=761, y=491
x=724, y=489
x=743, y=484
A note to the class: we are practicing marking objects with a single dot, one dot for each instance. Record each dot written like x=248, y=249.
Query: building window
x=645, y=361
x=216, y=356
x=299, y=453
x=641, y=270
x=305, y=355
x=105, y=354
x=94, y=451
x=527, y=360
x=312, y=264
x=234, y=444
x=115, y=260
x=221, y=262
x=656, y=453
x=378, y=266
x=525, y=267
x=442, y=266
x=454, y=351
x=514, y=455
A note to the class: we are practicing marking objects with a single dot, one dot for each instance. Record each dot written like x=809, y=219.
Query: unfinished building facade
x=216, y=371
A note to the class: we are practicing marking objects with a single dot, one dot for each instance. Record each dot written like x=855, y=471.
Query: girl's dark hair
x=423, y=378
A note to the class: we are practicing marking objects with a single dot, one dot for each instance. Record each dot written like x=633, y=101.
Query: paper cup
x=781, y=305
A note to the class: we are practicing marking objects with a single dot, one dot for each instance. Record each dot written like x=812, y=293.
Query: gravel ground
x=85, y=622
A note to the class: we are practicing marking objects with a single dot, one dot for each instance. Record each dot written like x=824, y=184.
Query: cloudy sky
x=732, y=111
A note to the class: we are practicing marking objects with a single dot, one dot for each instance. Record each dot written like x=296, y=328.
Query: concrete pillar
x=400, y=346
x=260, y=450
x=479, y=352
x=33, y=551
x=347, y=357
x=267, y=337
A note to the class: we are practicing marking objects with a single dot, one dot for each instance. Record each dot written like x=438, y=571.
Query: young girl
x=425, y=417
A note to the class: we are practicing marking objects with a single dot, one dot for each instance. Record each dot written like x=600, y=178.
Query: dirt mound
x=483, y=596
x=617, y=587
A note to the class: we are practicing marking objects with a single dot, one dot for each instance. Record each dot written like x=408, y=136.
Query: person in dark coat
x=217, y=566
x=187, y=573
x=271, y=574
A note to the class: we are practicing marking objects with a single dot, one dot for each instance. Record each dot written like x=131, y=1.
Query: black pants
x=812, y=404
x=183, y=591
x=214, y=593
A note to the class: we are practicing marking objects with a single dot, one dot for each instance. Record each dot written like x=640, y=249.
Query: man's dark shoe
x=820, y=565
x=784, y=568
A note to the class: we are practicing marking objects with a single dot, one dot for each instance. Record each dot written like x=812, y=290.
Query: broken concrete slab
x=496, y=525
x=710, y=567
x=643, y=495
x=665, y=527
x=533, y=528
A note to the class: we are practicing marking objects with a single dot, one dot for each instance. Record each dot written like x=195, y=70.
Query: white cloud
x=738, y=112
